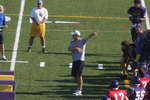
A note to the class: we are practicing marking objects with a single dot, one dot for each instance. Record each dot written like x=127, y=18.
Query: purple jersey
x=136, y=13
x=146, y=48
x=139, y=43
x=136, y=93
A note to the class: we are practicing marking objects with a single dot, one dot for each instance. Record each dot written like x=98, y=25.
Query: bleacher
x=7, y=85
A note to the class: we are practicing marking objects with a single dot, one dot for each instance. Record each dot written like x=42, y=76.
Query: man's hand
x=78, y=49
x=142, y=19
x=93, y=33
x=43, y=21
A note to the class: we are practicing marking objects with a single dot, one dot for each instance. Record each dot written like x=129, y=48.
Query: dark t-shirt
x=146, y=47
x=136, y=13
x=129, y=52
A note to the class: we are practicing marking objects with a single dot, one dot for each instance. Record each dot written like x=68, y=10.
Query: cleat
x=3, y=58
x=78, y=92
x=44, y=50
x=29, y=49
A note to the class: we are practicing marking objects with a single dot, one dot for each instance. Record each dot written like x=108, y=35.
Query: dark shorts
x=1, y=37
x=77, y=68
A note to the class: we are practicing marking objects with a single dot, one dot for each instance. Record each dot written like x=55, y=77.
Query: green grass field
x=53, y=82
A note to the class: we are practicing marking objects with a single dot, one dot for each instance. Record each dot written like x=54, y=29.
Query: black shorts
x=77, y=68
x=1, y=37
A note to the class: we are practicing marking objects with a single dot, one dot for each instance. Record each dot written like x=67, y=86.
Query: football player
x=39, y=15
x=145, y=79
x=115, y=93
x=136, y=92
x=147, y=95
x=136, y=16
x=129, y=54
x=2, y=26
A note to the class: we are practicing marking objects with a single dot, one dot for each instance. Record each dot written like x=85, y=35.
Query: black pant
x=77, y=68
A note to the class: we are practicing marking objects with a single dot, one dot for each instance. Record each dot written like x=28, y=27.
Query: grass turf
x=53, y=82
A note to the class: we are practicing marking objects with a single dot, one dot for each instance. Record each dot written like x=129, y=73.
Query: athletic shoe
x=29, y=49
x=78, y=92
x=3, y=58
x=44, y=50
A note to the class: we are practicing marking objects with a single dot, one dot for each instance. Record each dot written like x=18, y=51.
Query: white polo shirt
x=39, y=14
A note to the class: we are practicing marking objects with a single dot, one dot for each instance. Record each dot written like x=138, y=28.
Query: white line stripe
x=147, y=18
x=9, y=61
x=14, y=53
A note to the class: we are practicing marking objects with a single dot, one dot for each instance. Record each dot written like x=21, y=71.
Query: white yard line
x=9, y=61
x=147, y=17
x=16, y=43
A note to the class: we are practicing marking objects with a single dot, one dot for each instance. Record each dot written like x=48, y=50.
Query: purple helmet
x=138, y=27
x=137, y=1
x=114, y=84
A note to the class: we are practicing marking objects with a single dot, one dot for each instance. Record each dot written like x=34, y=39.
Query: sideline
x=16, y=43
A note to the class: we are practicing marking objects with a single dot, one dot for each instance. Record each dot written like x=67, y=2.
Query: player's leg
x=2, y=48
x=42, y=37
x=80, y=82
x=77, y=74
x=43, y=44
x=34, y=31
x=133, y=34
x=31, y=40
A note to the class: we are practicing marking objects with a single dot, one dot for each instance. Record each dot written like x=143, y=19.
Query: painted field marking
x=63, y=22
x=104, y=31
x=147, y=17
x=83, y=17
x=9, y=61
x=16, y=43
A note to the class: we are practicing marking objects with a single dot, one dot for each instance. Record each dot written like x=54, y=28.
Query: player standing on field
x=136, y=92
x=136, y=16
x=2, y=26
x=128, y=55
x=39, y=16
x=115, y=93
x=77, y=48
x=145, y=53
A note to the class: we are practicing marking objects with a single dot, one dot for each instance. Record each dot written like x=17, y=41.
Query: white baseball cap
x=39, y=2
x=76, y=32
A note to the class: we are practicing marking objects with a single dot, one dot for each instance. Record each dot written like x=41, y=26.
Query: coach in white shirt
x=39, y=16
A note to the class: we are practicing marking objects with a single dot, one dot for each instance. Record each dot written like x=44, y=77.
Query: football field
x=53, y=82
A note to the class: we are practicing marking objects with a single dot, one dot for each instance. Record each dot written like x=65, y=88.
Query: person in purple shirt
x=136, y=92
x=145, y=51
x=137, y=12
x=128, y=56
x=139, y=39
x=136, y=16
x=2, y=26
